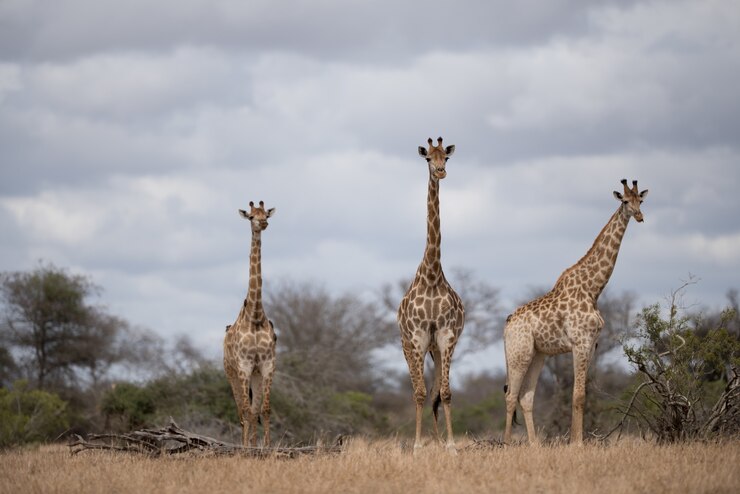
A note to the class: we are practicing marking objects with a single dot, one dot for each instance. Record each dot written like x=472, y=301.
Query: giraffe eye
x=447, y=159
x=624, y=202
x=640, y=201
x=428, y=160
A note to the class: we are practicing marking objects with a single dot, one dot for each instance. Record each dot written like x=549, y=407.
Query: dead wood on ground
x=173, y=440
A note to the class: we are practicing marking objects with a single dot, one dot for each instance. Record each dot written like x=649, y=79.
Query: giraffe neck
x=430, y=269
x=253, y=310
x=592, y=272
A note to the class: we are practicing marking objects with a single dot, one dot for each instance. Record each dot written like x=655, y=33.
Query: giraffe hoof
x=417, y=449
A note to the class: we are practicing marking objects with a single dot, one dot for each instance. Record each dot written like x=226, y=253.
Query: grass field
x=629, y=466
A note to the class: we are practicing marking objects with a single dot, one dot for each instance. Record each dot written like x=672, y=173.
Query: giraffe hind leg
x=513, y=418
x=516, y=369
x=526, y=394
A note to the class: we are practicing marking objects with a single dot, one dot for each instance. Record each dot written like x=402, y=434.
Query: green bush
x=204, y=391
x=477, y=418
x=128, y=404
x=353, y=412
x=30, y=415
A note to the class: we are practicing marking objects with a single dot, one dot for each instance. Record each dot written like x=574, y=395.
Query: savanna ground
x=629, y=466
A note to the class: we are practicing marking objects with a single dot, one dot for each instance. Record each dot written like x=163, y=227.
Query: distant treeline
x=60, y=355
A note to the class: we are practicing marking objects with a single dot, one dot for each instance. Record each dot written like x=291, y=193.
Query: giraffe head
x=631, y=200
x=257, y=216
x=437, y=157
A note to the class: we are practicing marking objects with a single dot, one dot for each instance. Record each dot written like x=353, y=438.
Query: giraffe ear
x=618, y=196
x=270, y=212
x=422, y=151
x=449, y=150
x=244, y=214
x=643, y=194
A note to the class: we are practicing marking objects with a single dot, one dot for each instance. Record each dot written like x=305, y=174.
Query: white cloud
x=723, y=250
x=52, y=217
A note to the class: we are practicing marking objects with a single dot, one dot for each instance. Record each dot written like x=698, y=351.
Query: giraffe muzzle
x=440, y=174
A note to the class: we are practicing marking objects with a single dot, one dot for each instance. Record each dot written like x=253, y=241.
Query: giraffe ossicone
x=249, y=344
x=566, y=319
x=431, y=315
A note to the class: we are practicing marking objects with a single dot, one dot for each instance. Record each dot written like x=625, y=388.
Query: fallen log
x=173, y=440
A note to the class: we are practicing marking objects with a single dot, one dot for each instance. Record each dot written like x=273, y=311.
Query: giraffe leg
x=581, y=360
x=249, y=424
x=519, y=355
x=445, y=346
x=416, y=369
x=436, y=386
x=236, y=390
x=254, y=406
x=526, y=395
x=246, y=416
x=266, y=387
x=415, y=361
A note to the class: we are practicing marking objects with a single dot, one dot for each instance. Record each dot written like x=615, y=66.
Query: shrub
x=30, y=415
x=129, y=405
x=689, y=384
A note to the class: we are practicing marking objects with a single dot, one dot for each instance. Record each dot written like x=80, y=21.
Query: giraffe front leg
x=236, y=390
x=436, y=386
x=415, y=361
x=580, y=367
x=445, y=346
x=249, y=420
x=266, y=387
x=446, y=398
x=249, y=423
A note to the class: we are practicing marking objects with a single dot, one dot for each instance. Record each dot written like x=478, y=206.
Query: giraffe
x=564, y=320
x=249, y=344
x=431, y=315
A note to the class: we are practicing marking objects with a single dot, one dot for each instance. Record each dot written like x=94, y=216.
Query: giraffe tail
x=435, y=405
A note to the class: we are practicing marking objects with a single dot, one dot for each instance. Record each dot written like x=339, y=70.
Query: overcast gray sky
x=130, y=133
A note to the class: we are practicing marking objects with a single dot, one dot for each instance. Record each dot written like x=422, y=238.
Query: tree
x=688, y=377
x=8, y=367
x=325, y=375
x=329, y=338
x=57, y=335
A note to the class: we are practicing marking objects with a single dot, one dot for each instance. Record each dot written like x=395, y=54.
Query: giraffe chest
x=243, y=342
x=425, y=308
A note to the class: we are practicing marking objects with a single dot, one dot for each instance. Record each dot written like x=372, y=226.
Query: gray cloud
x=381, y=32
x=131, y=133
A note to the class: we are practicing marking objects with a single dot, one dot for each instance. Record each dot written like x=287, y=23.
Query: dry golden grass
x=381, y=466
